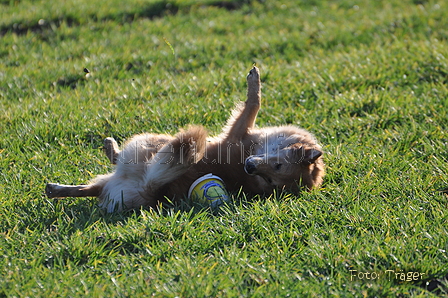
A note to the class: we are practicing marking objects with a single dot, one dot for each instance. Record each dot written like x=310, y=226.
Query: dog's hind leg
x=94, y=189
x=111, y=149
x=54, y=190
x=243, y=119
x=175, y=158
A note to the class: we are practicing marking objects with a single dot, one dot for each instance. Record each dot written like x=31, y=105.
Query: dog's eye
x=278, y=166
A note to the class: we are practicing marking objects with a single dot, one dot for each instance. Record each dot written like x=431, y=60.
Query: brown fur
x=258, y=160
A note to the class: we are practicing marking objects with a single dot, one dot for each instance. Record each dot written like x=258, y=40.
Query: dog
x=153, y=167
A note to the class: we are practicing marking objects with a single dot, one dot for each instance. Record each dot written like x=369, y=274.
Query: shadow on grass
x=148, y=11
x=437, y=286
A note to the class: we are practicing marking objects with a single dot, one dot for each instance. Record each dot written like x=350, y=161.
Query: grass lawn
x=368, y=78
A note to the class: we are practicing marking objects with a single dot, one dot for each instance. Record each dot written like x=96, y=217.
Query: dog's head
x=288, y=168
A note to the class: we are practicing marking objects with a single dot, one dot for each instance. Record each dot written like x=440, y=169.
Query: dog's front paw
x=253, y=76
x=253, y=87
x=253, y=84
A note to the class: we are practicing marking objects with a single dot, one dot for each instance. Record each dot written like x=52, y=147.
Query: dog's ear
x=311, y=154
x=305, y=154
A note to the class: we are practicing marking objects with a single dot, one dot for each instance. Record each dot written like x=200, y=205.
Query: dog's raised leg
x=244, y=119
x=111, y=149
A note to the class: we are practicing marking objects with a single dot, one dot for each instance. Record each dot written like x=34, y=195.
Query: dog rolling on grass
x=152, y=167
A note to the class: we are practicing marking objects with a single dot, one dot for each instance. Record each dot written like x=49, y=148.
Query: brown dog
x=258, y=160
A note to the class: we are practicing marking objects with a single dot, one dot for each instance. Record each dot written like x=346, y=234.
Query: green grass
x=368, y=78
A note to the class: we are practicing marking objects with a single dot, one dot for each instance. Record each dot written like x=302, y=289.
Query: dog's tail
x=174, y=159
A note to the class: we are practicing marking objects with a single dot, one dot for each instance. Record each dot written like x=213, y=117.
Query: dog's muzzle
x=251, y=163
x=249, y=167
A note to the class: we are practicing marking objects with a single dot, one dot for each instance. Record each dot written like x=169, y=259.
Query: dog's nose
x=251, y=163
x=250, y=166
